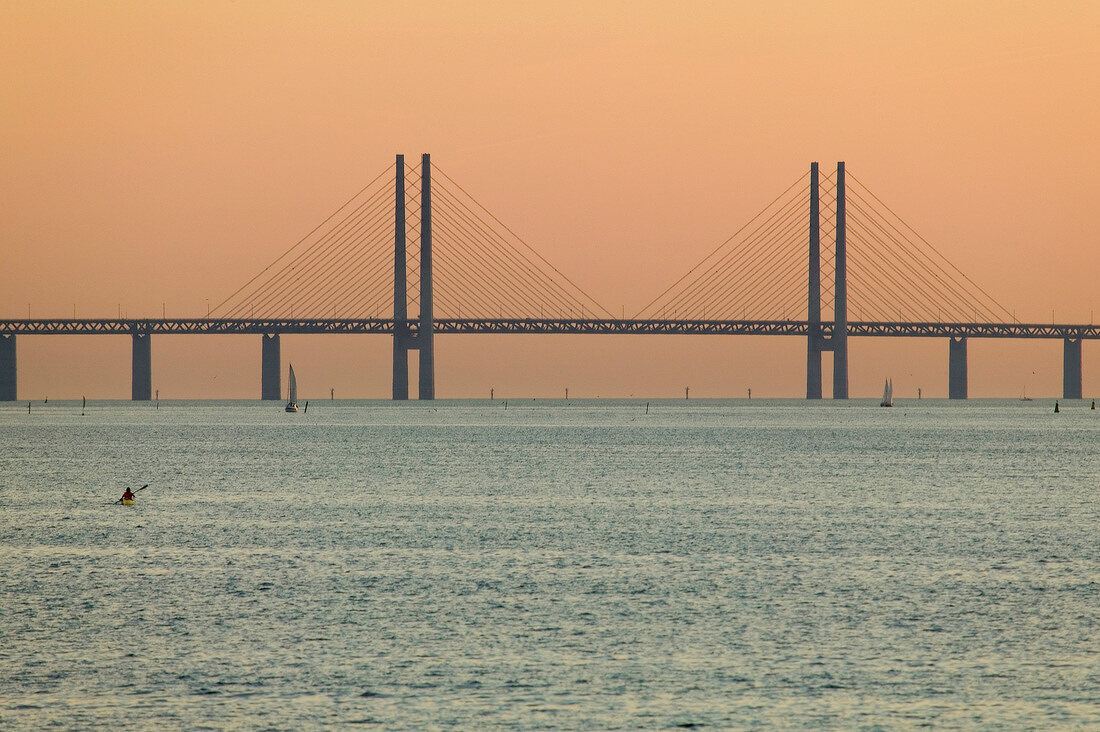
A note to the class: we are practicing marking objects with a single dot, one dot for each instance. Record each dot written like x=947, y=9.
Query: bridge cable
x=735, y=258
x=309, y=254
x=768, y=251
x=933, y=248
x=520, y=240
x=493, y=266
x=516, y=256
x=719, y=247
x=949, y=297
x=526, y=273
x=375, y=229
x=735, y=263
x=314, y=230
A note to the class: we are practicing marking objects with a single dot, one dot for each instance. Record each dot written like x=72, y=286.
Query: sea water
x=550, y=565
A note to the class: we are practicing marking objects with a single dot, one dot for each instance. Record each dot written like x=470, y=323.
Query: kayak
x=127, y=501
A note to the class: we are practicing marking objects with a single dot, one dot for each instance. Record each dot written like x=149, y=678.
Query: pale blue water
x=581, y=565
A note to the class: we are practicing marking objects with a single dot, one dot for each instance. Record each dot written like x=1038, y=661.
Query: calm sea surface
x=571, y=565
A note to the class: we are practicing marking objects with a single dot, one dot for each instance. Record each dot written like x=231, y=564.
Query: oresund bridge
x=413, y=254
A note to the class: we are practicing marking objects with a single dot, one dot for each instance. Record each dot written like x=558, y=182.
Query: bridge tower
x=425, y=339
x=403, y=340
x=813, y=307
x=816, y=342
x=840, y=294
x=401, y=337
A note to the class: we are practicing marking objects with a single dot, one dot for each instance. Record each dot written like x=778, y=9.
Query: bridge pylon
x=425, y=339
x=840, y=294
x=815, y=340
x=403, y=340
x=813, y=307
x=401, y=335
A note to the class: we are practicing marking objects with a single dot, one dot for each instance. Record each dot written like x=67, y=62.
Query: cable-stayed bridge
x=413, y=254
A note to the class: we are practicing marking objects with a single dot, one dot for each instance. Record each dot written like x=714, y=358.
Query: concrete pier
x=956, y=369
x=270, y=368
x=141, y=383
x=1071, y=368
x=840, y=293
x=400, y=290
x=813, y=308
x=7, y=368
x=425, y=339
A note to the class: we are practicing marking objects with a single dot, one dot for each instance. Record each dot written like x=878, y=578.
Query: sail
x=293, y=393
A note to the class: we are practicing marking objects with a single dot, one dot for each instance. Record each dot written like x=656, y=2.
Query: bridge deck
x=194, y=326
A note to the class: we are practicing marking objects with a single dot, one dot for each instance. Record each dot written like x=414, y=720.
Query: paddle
x=138, y=490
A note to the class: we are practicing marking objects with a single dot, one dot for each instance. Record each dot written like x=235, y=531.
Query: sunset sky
x=159, y=154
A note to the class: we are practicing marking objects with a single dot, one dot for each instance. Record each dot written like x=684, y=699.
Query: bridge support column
x=1071, y=368
x=7, y=368
x=400, y=290
x=270, y=367
x=813, y=307
x=956, y=369
x=840, y=294
x=141, y=383
x=427, y=322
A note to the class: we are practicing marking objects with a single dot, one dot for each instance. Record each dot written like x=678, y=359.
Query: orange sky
x=164, y=152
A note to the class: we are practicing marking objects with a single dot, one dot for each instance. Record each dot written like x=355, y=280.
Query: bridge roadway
x=447, y=326
x=820, y=337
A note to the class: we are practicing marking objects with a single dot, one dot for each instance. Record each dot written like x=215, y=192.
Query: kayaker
x=127, y=496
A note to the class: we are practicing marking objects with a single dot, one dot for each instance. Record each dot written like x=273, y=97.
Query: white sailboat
x=292, y=393
x=888, y=394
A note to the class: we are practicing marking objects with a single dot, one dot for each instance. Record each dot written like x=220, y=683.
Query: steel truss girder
x=884, y=329
x=621, y=327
